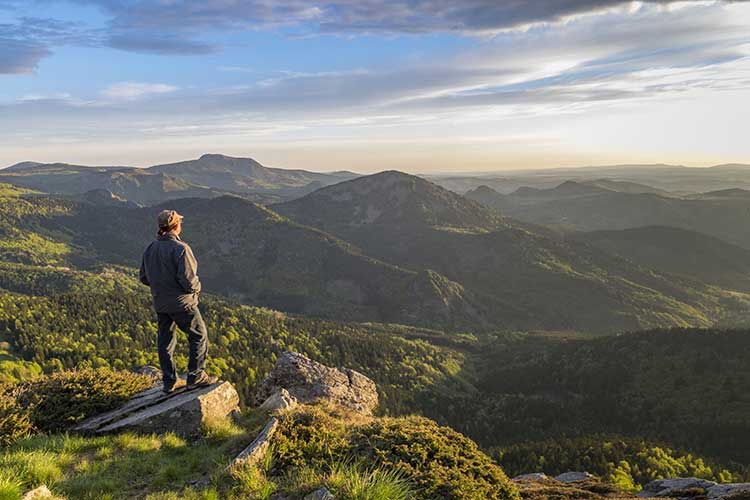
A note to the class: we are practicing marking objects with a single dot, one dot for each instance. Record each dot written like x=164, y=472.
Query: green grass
x=124, y=466
x=352, y=481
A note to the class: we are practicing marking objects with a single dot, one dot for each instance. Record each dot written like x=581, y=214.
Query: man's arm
x=143, y=276
x=187, y=271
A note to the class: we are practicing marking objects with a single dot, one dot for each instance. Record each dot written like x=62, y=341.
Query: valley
x=522, y=336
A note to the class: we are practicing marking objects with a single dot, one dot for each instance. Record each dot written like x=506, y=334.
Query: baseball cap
x=168, y=219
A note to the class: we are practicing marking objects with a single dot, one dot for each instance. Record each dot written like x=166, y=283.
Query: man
x=170, y=269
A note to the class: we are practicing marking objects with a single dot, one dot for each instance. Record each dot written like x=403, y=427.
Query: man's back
x=170, y=269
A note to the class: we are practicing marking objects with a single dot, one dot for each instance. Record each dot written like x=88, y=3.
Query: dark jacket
x=170, y=269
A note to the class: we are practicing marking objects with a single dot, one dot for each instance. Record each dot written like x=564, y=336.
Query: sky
x=368, y=85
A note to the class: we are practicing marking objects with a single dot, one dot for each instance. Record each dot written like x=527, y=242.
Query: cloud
x=136, y=90
x=355, y=16
x=27, y=40
x=590, y=66
x=159, y=44
x=19, y=56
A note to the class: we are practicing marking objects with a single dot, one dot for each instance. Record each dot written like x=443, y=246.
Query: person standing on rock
x=170, y=269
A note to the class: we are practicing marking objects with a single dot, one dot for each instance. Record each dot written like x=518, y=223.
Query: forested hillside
x=529, y=276
x=498, y=389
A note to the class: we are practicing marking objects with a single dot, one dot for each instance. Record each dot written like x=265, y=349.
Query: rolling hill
x=722, y=214
x=246, y=251
x=679, y=252
x=529, y=278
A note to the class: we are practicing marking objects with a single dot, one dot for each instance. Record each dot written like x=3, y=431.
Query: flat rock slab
x=182, y=412
x=253, y=454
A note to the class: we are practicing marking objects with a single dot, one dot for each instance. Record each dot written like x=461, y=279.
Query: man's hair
x=168, y=221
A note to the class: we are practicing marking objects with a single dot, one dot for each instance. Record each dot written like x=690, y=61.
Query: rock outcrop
x=309, y=382
x=280, y=400
x=693, y=487
x=40, y=493
x=573, y=477
x=321, y=494
x=182, y=412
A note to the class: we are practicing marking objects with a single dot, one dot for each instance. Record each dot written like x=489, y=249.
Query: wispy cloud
x=136, y=90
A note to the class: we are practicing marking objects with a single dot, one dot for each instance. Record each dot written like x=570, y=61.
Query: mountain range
x=583, y=207
x=396, y=247
x=209, y=176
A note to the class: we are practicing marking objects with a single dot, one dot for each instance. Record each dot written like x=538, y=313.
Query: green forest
x=504, y=390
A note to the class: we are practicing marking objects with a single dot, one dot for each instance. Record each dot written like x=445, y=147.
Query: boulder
x=280, y=400
x=182, y=412
x=321, y=494
x=40, y=493
x=672, y=487
x=534, y=476
x=309, y=382
x=728, y=490
x=149, y=371
x=574, y=477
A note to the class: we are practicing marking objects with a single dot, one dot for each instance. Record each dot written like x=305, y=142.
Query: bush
x=14, y=421
x=310, y=437
x=443, y=463
x=440, y=462
x=66, y=398
x=53, y=403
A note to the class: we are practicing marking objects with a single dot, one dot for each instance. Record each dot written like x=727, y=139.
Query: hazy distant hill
x=640, y=178
x=245, y=175
x=132, y=184
x=679, y=252
x=723, y=214
x=207, y=177
x=529, y=278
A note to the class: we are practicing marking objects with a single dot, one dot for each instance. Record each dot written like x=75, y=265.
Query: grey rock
x=280, y=400
x=309, y=382
x=321, y=494
x=721, y=491
x=257, y=449
x=573, y=477
x=40, y=493
x=534, y=476
x=149, y=371
x=182, y=412
x=667, y=487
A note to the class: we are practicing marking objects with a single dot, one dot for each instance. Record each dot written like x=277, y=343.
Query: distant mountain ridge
x=722, y=214
x=209, y=176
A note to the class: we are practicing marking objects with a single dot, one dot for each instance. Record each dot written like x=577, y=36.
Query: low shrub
x=55, y=402
x=440, y=462
x=62, y=399
x=14, y=420
x=443, y=463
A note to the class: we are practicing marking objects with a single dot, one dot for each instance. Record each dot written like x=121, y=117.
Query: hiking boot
x=168, y=388
x=203, y=380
